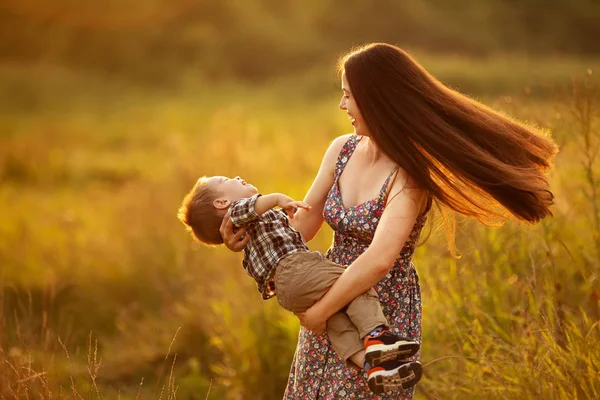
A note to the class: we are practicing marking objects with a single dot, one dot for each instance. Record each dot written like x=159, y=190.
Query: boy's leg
x=380, y=344
x=389, y=375
x=345, y=339
x=311, y=276
x=358, y=358
x=385, y=352
x=365, y=312
x=301, y=279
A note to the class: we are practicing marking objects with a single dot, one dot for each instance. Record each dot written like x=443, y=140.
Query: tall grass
x=518, y=316
x=104, y=295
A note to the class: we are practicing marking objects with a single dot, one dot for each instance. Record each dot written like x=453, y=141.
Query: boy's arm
x=243, y=211
x=286, y=203
x=250, y=209
x=266, y=202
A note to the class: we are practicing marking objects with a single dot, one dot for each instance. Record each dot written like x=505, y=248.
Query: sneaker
x=394, y=375
x=388, y=346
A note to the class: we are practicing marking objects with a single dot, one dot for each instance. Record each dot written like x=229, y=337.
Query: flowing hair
x=466, y=156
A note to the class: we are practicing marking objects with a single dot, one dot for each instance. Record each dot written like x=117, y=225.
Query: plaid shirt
x=271, y=239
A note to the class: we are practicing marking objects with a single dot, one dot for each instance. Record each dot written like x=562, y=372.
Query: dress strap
x=345, y=154
x=385, y=188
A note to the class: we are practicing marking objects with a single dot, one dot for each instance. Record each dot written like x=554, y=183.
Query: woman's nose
x=342, y=104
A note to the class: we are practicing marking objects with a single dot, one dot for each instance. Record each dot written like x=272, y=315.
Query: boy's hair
x=199, y=215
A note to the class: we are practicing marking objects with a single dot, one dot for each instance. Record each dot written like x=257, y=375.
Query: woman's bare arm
x=393, y=230
x=308, y=223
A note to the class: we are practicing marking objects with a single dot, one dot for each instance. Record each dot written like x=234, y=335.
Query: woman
x=415, y=141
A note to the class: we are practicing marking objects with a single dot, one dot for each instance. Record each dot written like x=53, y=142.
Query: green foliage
x=103, y=294
x=158, y=41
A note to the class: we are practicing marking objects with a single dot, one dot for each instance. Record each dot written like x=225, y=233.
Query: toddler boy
x=280, y=262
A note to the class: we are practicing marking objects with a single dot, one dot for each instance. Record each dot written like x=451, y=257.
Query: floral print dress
x=317, y=371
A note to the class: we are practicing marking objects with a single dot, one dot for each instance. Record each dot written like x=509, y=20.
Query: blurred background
x=110, y=111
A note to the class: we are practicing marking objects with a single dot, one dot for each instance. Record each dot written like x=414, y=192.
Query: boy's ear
x=221, y=204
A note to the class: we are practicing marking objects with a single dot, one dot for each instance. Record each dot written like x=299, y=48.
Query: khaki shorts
x=302, y=278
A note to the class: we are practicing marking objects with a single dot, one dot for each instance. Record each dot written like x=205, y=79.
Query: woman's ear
x=221, y=204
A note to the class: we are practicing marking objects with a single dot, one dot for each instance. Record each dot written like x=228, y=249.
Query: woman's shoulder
x=340, y=141
x=336, y=146
x=330, y=159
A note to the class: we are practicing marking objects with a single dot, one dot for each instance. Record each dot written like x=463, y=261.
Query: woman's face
x=349, y=105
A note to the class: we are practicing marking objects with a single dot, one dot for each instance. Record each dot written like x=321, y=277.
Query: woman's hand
x=234, y=241
x=312, y=320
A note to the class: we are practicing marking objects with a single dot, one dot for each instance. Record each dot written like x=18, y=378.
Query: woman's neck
x=372, y=151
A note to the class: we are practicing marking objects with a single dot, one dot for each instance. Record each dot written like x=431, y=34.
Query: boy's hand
x=290, y=206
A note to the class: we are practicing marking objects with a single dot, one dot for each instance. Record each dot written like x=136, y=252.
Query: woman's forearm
x=308, y=223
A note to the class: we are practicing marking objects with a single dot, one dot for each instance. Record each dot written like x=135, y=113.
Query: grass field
x=104, y=295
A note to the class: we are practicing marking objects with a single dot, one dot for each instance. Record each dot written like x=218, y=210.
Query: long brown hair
x=467, y=156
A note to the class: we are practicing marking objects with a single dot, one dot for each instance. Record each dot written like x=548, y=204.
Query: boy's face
x=230, y=190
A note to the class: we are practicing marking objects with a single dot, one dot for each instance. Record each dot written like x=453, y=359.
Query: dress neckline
x=350, y=146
